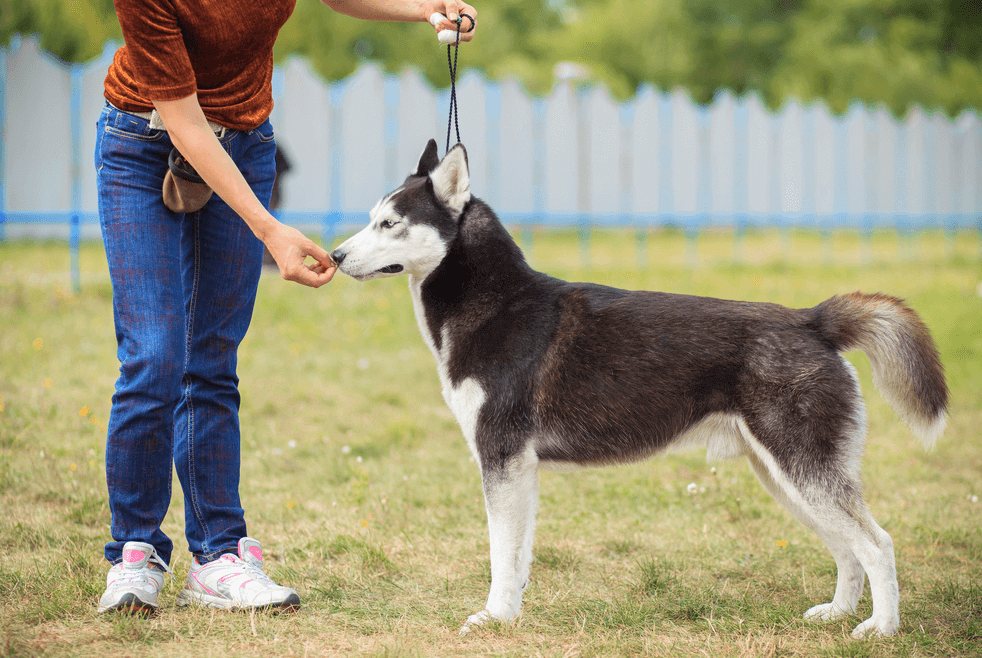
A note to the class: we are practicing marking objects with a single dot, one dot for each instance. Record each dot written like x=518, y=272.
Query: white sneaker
x=133, y=584
x=236, y=582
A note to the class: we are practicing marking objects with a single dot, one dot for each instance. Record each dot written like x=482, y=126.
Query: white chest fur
x=467, y=397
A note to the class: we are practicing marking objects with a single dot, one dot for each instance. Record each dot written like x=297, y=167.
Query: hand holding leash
x=453, y=29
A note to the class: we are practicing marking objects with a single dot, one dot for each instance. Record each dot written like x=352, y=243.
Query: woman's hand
x=290, y=249
x=408, y=11
x=452, y=9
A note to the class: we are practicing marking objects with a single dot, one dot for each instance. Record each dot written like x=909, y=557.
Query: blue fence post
x=930, y=172
x=809, y=166
x=666, y=194
x=704, y=187
x=584, y=191
x=870, y=195
x=780, y=220
x=957, y=174
x=741, y=167
x=538, y=172
x=391, y=131
x=76, y=123
x=3, y=144
x=901, y=195
x=336, y=133
x=492, y=104
x=625, y=198
x=977, y=206
x=840, y=184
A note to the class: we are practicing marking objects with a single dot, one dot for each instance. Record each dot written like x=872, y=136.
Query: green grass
x=362, y=490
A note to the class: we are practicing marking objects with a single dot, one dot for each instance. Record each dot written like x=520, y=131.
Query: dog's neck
x=482, y=271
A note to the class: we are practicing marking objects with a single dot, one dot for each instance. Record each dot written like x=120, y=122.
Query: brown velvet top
x=221, y=49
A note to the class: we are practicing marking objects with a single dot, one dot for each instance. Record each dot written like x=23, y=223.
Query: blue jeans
x=184, y=287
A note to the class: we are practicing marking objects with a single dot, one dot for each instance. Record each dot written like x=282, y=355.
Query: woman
x=194, y=76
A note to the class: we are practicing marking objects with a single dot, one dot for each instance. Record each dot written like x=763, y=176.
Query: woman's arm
x=189, y=131
x=407, y=11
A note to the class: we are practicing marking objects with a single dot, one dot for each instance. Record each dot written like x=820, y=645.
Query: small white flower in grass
x=345, y=449
x=42, y=454
x=358, y=459
x=975, y=499
x=713, y=470
x=363, y=363
x=692, y=488
x=292, y=444
x=277, y=451
x=702, y=489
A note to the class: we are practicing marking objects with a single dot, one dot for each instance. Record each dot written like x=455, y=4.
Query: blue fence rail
x=575, y=158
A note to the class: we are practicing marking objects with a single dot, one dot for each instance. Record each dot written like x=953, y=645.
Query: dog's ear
x=451, y=179
x=428, y=161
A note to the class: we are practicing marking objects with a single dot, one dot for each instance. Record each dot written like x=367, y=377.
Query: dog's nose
x=338, y=256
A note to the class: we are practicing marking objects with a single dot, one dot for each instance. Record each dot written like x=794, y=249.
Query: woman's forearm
x=379, y=10
x=408, y=11
x=191, y=135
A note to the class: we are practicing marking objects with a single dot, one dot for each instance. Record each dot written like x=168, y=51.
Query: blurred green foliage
x=73, y=31
x=895, y=52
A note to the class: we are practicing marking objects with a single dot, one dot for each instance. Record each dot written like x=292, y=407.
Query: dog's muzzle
x=339, y=257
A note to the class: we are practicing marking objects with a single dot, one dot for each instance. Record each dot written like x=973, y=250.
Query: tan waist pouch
x=184, y=190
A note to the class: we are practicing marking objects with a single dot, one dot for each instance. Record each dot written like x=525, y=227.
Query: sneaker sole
x=188, y=598
x=129, y=604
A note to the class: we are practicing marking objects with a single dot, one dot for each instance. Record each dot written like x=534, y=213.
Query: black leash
x=453, y=80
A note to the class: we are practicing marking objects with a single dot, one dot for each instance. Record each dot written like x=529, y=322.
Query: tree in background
x=72, y=31
x=896, y=52
x=515, y=42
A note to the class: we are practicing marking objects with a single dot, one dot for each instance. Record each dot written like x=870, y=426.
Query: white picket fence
x=575, y=157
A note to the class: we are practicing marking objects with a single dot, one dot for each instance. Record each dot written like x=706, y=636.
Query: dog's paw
x=871, y=628
x=826, y=612
x=475, y=620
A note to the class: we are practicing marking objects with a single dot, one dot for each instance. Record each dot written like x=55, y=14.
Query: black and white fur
x=544, y=373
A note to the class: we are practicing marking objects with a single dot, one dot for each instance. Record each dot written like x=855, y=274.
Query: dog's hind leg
x=849, y=584
x=856, y=542
x=511, y=495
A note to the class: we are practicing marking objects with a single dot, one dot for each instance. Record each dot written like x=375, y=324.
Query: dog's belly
x=721, y=434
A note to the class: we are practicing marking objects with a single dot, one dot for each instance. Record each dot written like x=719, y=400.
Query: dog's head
x=411, y=228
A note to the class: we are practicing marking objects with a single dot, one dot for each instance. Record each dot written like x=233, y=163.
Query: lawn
x=363, y=492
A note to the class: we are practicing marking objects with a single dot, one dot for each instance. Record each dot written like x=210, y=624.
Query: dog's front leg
x=511, y=494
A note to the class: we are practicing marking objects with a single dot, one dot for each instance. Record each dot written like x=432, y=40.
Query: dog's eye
x=386, y=223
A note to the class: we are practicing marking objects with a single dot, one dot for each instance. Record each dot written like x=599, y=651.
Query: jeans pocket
x=265, y=132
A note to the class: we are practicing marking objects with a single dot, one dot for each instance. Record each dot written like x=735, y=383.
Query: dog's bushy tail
x=906, y=366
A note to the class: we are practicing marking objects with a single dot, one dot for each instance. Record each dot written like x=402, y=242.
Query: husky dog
x=544, y=373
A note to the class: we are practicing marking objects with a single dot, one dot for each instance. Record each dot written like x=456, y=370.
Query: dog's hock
x=451, y=179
